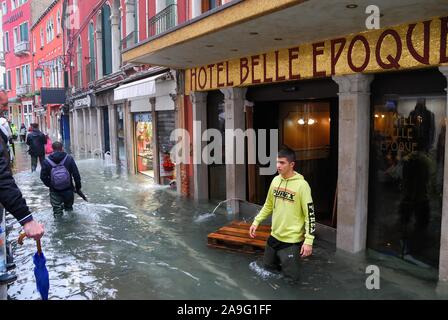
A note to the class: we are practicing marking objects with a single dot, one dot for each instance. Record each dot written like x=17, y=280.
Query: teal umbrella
x=40, y=269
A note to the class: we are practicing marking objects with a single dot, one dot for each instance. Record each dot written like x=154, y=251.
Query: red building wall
x=13, y=19
x=46, y=52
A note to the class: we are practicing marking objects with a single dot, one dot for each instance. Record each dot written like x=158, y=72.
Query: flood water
x=137, y=240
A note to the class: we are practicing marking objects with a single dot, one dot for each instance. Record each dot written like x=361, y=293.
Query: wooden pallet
x=235, y=237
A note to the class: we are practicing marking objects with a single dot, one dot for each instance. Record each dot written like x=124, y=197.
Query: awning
x=136, y=89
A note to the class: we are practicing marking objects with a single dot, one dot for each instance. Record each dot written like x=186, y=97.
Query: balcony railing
x=23, y=89
x=90, y=71
x=77, y=80
x=129, y=40
x=163, y=21
x=22, y=48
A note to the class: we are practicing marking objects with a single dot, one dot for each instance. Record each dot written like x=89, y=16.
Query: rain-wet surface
x=137, y=240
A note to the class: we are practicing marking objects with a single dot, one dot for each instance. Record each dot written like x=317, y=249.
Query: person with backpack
x=36, y=140
x=58, y=172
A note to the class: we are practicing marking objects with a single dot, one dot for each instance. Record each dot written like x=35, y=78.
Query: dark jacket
x=57, y=157
x=36, y=140
x=10, y=195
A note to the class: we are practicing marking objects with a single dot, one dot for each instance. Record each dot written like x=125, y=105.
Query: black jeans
x=62, y=200
x=287, y=260
x=34, y=162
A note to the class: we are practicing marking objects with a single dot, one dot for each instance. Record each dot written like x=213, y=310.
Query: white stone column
x=234, y=101
x=200, y=169
x=116, y=38
x=100, y=129
x=443, y=262
x=130, y=21
x=85, y=128
x=353, y=161
x=75, y=133
x=72, y=131
x=91, y=131
x=196, y=8
x=113, y=135
x=99, y=52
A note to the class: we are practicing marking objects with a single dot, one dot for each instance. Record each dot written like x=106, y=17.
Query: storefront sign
x=395, y=48
x=142, y=117
x=83, y=102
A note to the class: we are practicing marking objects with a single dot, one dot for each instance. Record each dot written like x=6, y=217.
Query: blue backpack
x=60, y=177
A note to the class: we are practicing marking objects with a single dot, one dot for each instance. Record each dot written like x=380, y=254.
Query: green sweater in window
x=291, y=205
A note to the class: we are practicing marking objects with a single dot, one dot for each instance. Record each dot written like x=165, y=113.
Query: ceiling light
x=377, y=116
x=311, y=121
x=351, y=6
x=209, y=46
x=301, y=122
x=253, y=33
x=278, y=39
x=234, y=50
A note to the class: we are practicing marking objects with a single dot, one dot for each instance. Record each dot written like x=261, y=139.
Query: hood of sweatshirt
x=57, y=156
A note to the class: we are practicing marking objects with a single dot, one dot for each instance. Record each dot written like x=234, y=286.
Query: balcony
x=77, y=80
x=129, y=40
x=22, y=48
x=90, y=71
x=23, y=89
x=163, y=21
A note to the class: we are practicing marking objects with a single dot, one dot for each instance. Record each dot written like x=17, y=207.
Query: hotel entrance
x=310, y=128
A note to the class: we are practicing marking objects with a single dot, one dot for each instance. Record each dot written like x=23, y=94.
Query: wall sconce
x=39, y=72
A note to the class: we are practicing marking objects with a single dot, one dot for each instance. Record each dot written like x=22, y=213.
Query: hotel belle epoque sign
x=402, y=47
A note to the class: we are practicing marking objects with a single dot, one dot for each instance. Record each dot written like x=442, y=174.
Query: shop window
x=144, y=143
x=406, y=180
x=165, y=125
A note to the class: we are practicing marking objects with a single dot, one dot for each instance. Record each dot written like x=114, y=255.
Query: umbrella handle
x=38, y=244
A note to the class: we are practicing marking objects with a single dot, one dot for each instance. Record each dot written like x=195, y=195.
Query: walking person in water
x=36, y=140
x=293, y=221
x=58, y=172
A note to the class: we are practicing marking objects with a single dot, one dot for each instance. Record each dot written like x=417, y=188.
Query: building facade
x=363, y=105
x=124, y=112
x=48, y=70
x=17, y=18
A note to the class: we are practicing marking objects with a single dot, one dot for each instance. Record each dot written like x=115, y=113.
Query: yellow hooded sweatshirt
x=290, y=203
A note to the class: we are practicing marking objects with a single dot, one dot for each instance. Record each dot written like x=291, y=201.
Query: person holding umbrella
x=58, y=172
x=11, y=198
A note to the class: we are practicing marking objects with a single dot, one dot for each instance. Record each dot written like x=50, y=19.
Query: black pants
x=22, y=138
x=62, y=200
x=287, y=260
x=34, y=162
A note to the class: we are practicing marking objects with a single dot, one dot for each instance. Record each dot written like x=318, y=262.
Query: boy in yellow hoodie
x=293, y=221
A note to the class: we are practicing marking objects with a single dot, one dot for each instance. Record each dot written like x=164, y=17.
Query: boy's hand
x=306, y=250
x=252, y=231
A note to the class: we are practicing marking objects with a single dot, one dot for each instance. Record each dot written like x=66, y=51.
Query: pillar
x=234, y=101
x=85, y=131
x=99, y=52
x=353, y=170
x=113, y=133
x=443, y=260
x=130, y=22
x=116, y=38
x=200, y=169
x=100, y=129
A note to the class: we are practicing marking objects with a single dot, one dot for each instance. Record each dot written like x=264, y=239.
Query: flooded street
x=137, y=240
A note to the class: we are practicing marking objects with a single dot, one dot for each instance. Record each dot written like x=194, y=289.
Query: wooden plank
x=255, y=250
x=237, y=240
x=244, y=225
x=242, y=233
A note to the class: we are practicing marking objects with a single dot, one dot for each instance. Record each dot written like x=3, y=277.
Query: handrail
x=163, y=21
